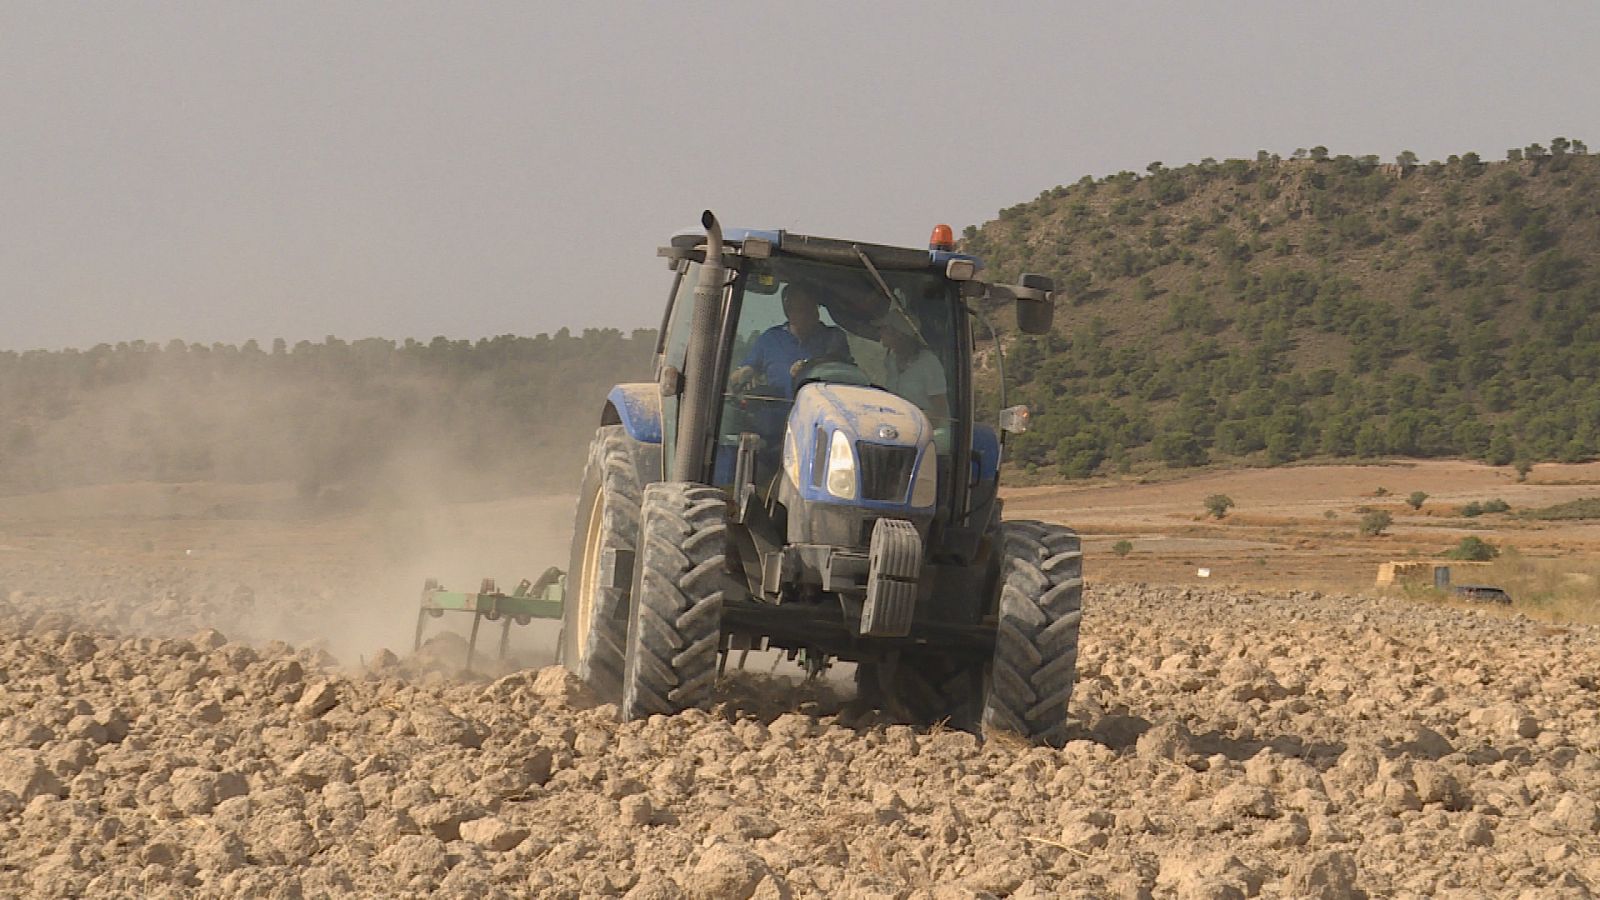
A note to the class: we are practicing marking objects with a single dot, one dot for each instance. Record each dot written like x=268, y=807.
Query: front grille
x=885, y=471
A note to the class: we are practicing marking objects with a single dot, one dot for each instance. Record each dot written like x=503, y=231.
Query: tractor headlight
x=841, y=467
x=925, y=490
x=791, y=457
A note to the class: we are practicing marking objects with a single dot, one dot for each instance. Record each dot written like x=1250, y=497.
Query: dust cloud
x=275, y=501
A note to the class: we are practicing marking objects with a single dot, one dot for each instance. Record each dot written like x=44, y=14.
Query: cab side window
x=682, y=314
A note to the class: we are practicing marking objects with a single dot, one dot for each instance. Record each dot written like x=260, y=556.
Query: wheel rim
x=588, y=581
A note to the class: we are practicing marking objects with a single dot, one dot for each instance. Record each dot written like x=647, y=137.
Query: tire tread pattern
x=923, y=689
x=611, y=468
x=675, y=632
x=1036, y=640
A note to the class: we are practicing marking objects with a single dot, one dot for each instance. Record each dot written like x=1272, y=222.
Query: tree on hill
x=1181, y=450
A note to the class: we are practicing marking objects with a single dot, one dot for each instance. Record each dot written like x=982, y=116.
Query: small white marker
x=1204, y=573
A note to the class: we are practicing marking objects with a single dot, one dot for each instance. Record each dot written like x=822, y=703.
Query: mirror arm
x=1000, y=362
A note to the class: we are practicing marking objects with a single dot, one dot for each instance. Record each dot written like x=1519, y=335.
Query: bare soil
x=205, y=691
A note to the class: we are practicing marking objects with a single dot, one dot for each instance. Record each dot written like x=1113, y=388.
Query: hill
x=1319, y=306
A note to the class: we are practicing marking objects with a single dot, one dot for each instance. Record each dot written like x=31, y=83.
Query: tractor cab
x=802, y=322
x=808, y=321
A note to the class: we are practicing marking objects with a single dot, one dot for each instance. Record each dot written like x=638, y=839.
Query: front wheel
x=675, y=621
x=1036, y=638
x=594, y=618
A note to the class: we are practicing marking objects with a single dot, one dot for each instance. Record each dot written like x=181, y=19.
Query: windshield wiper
x=883, y=287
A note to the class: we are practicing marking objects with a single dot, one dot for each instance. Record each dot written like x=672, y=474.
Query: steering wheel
x=845, y=372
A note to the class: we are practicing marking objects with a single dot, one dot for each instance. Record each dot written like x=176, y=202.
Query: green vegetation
x=1473, y=548
x=1218, y=505
x=1375, y=522
x=495, y=415
x=1474, y=509
x=1587, y=508
x=1122, y=548
x=1330, y=307
x=1416, y=499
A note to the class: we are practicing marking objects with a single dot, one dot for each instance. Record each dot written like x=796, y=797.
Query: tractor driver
x=778, y=353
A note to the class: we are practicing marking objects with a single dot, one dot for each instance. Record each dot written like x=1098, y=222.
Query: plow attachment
x=530, y=600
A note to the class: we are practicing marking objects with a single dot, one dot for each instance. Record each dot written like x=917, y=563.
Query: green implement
x=531, y=600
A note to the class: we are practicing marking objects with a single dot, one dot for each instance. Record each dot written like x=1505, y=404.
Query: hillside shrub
x=1473, y=548
x=1376, y=522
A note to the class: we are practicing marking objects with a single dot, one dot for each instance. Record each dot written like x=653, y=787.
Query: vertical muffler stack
x=695, y=439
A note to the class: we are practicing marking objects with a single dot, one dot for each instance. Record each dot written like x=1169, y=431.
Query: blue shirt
x=776, y=350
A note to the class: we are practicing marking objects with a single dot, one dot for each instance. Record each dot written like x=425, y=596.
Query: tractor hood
x=860, y=446
x=869, y=413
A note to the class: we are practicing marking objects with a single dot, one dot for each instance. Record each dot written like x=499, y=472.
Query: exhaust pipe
x=694, y=416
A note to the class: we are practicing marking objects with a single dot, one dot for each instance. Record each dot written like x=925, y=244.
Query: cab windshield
x=801, y=320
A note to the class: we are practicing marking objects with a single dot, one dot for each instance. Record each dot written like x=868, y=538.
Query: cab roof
x=833, y=250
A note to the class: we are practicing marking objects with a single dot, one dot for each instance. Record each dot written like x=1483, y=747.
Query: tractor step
x=530, y=600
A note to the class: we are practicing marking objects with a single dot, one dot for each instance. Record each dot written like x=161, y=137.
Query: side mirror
x=1036, y=306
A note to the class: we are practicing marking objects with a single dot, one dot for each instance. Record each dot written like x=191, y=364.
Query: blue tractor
x=807, y=474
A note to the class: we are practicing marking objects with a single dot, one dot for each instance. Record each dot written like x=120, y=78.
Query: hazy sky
x=222, y=171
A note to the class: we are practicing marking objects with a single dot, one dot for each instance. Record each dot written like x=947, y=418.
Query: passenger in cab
x=911, y=369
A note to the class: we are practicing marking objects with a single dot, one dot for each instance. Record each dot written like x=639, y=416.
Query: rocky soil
x=1231, y=744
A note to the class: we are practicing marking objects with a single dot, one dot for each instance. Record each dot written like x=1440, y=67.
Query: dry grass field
x=1299, y=527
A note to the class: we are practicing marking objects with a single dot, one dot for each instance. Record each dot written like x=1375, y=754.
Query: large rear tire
x=680, y=579
x=594, y=620
x=923, y=689
x=1036, y=640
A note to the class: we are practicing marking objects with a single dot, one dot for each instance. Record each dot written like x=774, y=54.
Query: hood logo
x=888, y=432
